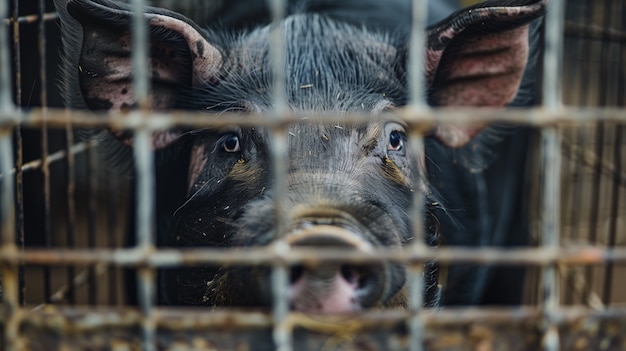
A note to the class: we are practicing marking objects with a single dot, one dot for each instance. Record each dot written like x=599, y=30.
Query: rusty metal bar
x=447, y=329
x=55, y=157
x=113, y=204
x=47, y=17
x=19, y=143
x=78, y=280
x=71, y=209
x=164, y=258
x=83, y=318
x=423, y=119
x=92, y=216
x=45, y=169
x=590, y=31
x=615, y=203
x=615, y=54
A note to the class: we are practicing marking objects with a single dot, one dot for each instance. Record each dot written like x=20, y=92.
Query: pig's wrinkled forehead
x=329, y=66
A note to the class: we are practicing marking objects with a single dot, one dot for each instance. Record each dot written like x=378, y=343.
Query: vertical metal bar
x=92, y=181
x=144, y=169
x=277, y=57
x=45, y=166
x=415, y=273
x=141, y=84
x=551, y=142
x=614, y=55
x=613, y=219
x=553, y=55
x=282, y=333
x=9, y=278
x=417, y=51
x=417, y=101
x=113, y=203
x=19, y=196
x=71, y=209
x=585, y=99
x=594, y=216
x=280, y=273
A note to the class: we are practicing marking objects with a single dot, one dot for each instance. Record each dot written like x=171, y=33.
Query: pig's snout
x=334, y=287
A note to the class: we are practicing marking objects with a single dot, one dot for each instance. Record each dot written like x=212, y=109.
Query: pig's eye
x=231, y=143
x=396, y=141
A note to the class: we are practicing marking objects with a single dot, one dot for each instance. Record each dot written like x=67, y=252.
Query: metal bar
x=417, y=103
x=603, y=72
x=615, y=54
x=55, y=157
x=86, y=318
x=417, y=50
x=277, y=57
x=9, y=272
x=92, y=210
x=425, y=119
x=551, y=143
x=47, y=17
x=71, y=208
x=415, y=273
x=45, y=169
x=164, y=258
x=144, y=169
x=83, y=278
x=112, y=227
x=591, y=31
x=553, y=55
x=615, y=203
x=19, y=186
x=282, y=333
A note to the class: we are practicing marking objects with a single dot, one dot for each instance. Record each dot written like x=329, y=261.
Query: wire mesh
x=575, y=304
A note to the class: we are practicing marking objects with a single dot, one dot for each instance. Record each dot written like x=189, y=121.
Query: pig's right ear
x=97, y=55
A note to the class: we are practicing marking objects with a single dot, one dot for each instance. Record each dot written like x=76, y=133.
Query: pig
x=347, y=184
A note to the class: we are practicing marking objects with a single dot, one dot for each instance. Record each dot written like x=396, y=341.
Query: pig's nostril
x=359, y=277
x=296, y=273
x=350, y=274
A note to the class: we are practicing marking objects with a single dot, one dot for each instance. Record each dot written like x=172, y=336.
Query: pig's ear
x=477, y=57
x=97, y=56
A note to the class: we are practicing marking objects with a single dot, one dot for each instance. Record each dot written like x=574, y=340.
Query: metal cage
x=63, y=255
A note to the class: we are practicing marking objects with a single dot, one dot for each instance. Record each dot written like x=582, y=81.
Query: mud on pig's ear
x=97, y=67
x=477, y=57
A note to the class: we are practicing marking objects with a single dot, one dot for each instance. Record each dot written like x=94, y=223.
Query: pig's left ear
x=477, y=57
x=97, y=51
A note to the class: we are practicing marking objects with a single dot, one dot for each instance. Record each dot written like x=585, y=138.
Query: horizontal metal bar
x=593, y=31
x=54, y=157
x=85, y=318
x=49, y=16
x=422, y=118
x=588, y=255
x=448, y=329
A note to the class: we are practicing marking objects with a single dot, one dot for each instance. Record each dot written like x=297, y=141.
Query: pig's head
x=346, y=185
